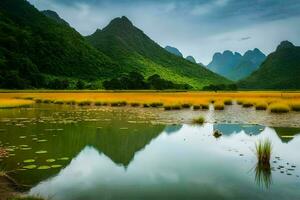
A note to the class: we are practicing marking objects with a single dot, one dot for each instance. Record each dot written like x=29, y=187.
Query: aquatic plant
x=205, y=106
x=263, y=151
x=228, y=102
x=196, y=107
x=135, y=104
x=145, y=105
x=261, y=106
x=279, y=108
x=84, y=103
x=185, y=105
x=219, y=106
x=167, y=107
x=217, y=134
x=15, y=103
x=199, y=120
x=156, y=104
x=247, y=104
x=47, y=101
x=263, y=175
x=118, y=103
x=98, y=103
x=58, y=102
x=295, y=106
x=38, y=100
x=70, y=102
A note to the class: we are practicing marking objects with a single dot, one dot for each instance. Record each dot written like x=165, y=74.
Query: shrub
x=199, y=120
x=279, y=108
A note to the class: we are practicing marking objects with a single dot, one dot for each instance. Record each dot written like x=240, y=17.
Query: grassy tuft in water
x=118, y=104
x=228, y=102
x=196, y=107
x=135, y=104
x=199, y=120
x=295, y=107
x=261, y=106
x=248, y=104
x=263, y=152
x=279, y=108
x=156, y=104
x=84, y=103
x=219, y=106
x=186, y=105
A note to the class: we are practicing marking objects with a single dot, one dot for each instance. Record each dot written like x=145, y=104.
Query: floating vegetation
x=25, y=148
x=43, y=167
x=50, y=160
x=41, y=141
x=29, y=167
x=56, y=166
x=22, y=137
x=29, y=161
x=41, y=152
x=199, y=120
x=63, y=158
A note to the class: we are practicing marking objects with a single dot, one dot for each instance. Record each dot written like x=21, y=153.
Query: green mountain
x=53, y=15
x=135, y=51
x=174, y=51
x=234, y=66
x=191, y=59
x=35, y=49
x=281, y=70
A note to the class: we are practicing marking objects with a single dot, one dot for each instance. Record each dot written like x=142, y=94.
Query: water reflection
x=229, y=129
x=187, y=165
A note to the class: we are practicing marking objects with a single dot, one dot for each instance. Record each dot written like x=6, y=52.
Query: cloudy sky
x=196, y=27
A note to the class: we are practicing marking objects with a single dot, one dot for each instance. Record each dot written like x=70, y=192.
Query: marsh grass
x=219, y=106
x=59, y=102
x=15, y=103
x=261, y=106
x=135, y=104
x=204, y=106
x=98, y=103
x=228, y=102
x=118, y=104
x=263, y=152
x=199, y=120
x=295, y=107
x=279, y=108
x=186, y=105
x=70, y=102
x=47, y=101
x=247, y=104
x=196, y=107
x=156, y=104
x=84, y=103
x=146, y=105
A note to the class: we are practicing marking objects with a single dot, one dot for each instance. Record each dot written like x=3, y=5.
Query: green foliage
x=263, y=151
x=135, y=51
x=228, y=87
x=281, y=70
x=199, y=120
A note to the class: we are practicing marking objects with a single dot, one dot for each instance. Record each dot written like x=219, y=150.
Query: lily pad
x=40, y=141
x=41, y=152
x=50, y=160
x=30, y=167
x=63, y=158
x=56, y=166
x=44, y=167
x=29, y=161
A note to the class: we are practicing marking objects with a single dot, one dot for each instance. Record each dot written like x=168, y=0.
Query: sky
x=196, y=27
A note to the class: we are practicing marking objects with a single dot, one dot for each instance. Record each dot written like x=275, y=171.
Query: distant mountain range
x=40, y=50
x=175, y=51
x=234, y=66
x=280, y=70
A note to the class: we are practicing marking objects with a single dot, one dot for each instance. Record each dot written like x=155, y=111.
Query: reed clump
x=59, y=102
x=219, y=106
x=156, y=104
x=15, y=103
x=135, y=104
x=228, y=102
x=204, y=106
x=196, y=107
x=186, y=105
x=247, y=104
x=295, y=106
x=118, y=104
x=98, y=103
x=261, y=106
x=279, y=108
x=263, y=152
x=199, y=120
x=84, y=103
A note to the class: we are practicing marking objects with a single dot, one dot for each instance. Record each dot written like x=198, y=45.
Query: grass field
x=290, y=100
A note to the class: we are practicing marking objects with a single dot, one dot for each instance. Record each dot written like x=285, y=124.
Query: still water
x=65, y=153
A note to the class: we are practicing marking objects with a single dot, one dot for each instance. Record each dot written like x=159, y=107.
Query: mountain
x=135, y=51
x=54, y=16
x=280, y=70
x=36, y=51
x=174, y=51
x=234, y=66
x=191, y=59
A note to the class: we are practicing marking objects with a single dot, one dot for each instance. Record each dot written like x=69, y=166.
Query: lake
x=64, y=152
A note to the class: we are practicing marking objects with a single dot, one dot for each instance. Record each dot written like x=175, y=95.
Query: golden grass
x=219, y=106
x=261, y=105
x=279, y=107
x=15, y=103
x=153, y=99
x=199, y=120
